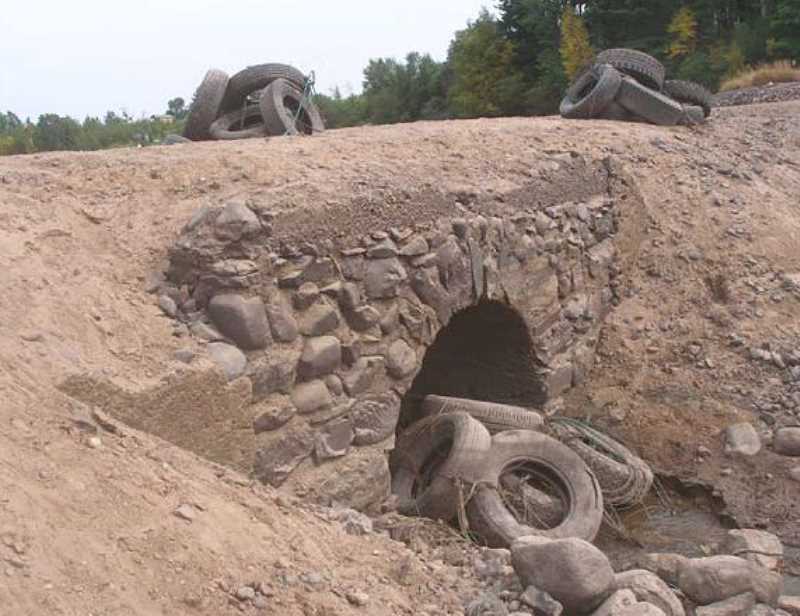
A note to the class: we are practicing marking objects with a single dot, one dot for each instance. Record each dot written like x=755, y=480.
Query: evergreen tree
x=683, y=31
x=576, y=51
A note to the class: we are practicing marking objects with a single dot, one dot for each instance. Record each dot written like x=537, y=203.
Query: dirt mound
x=100, y=519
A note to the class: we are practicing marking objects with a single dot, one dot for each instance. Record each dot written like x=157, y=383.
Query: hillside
x=706, y=334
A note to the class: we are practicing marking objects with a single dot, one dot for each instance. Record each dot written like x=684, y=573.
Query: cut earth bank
x=703, y=224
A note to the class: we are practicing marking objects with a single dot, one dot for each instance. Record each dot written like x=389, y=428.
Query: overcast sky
x=84, y=57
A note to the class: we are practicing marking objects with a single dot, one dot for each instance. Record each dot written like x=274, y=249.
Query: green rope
x=308, y=93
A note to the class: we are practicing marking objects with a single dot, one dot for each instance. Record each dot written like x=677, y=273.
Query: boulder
x=573, y=571
x=740, y=605
x=382, y=278
x=375, y=418
x=616, y=603
x=787, y=441
x=665, y=566
x=757, y=546
x=242, y=320
x=716, y=578
x=230, y=359
x=281, y=319
x=334, y=440
x=743, y=439
x=649, y=588
x=319, y=320
x=320, y=356
x=401, y=360
x=311, y=396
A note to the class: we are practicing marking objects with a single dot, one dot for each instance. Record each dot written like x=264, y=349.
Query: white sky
x=84, y=57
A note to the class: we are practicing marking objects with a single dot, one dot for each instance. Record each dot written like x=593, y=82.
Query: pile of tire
x=629, y=85
x=501, y=472
x=260, y=101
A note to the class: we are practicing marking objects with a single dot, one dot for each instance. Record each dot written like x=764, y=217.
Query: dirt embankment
x=88, y=522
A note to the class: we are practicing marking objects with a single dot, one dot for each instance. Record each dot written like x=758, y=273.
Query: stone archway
x=485, y=352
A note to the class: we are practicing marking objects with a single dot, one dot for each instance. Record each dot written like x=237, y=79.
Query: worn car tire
x=254, y=78
x=689, y=93
x=643, y=67
x=491, y=520
x=615, y=111
x=206, y=105
x=496, y=417
x=590, y=93
x=239, y=124
x=278, y=103
x=422, y=487
x=648, y=104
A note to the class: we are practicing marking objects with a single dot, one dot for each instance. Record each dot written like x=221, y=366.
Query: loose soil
x=87, y=520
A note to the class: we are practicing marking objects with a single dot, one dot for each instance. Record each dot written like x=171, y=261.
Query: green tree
x=785, y=30
x=485, y=80
x=176, y=107
x=576, y=50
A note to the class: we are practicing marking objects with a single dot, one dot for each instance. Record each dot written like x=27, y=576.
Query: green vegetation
x=515, y=61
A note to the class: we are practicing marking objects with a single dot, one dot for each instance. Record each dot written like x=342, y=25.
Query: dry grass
x=775, y=72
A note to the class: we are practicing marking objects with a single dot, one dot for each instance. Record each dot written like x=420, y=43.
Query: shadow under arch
x=485, y=352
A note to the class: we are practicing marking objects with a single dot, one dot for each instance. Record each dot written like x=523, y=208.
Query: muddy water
x=689, y=523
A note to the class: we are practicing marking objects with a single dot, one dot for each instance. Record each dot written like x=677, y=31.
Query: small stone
x=95, y=442
x=363, y=318
x=311, y=396
x=242, y=320
x=185, y=512
x=757, y=546
x=321, y=356
x=382, y=278
x=281, y=320
x=230, y=359
x=305, y=296
x=359, y=599
x=541, y=603
x=401, y=360
x=415, y=247
x=390, y=320
x=184, y=355
x=235, y=222
x=206, y=332
x=334, y=384
x=319, y=320
x=787, y=441
x=382, y=250
x=361, y=375
x=460, y=227
x=350, y=297
x=260, y=603
x=167, y=305
x=245, y=593
x=354, y=522
x=333, y=441
x=743, y=439
x=351, y=352
x=273, y=418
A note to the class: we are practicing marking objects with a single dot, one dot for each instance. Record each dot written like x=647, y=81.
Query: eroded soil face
x=710, y=284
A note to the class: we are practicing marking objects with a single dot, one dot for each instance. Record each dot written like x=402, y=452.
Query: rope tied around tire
x=309, y=92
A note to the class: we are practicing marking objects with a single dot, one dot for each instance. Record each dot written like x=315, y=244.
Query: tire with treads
x=206, y=105
x=655, y=107
x=550, y=460
x=615, y=111
x=458, y=443
x=280, y=118
x=693, y=114
x=253, y=78
x=496, y=417
x=590, y=93
x=227, y=127
x=643, y=67
x=689, y=93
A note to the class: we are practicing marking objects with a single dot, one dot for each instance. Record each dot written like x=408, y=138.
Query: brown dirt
x=86, y=528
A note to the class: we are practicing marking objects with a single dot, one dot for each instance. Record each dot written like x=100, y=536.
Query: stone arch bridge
x=328, y=325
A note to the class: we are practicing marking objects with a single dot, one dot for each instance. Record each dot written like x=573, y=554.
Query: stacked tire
x=259, y=101
x=503, y=472
x=629, y=85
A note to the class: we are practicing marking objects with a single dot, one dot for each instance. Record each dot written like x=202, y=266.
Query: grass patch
x=776, y=72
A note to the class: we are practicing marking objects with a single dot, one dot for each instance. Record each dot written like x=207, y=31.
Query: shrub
x=775, y=72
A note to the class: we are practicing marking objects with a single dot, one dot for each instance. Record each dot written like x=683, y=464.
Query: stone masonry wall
x=331, y=336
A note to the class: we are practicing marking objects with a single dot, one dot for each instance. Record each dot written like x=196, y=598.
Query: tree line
x=516, y=60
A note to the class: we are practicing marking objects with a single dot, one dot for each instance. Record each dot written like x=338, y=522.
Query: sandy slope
x=88, y=529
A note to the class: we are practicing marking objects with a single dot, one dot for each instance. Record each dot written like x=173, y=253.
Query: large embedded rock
x=716, y=578
x=743, y=439
x=279, y=453
x=375, y=418
x=236, y=221
x=242, y=320
x=230, y=359
x=401, y=360
x=649, y=588
x=740, y=605
x=334, y=440
x=311, y=396
x=616, y=603
x=425, y=283
x=272, y=418
x=573, y=571
x=281, y=319
x=787, y=441
x=362, y=374
x=318, y=320
x=362, y=318
x=757, y=546
x=320, y=356
x=273, y=372
x=382, y=278
x=666, y=566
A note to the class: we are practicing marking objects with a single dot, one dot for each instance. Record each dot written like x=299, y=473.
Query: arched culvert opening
x=485, y=352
